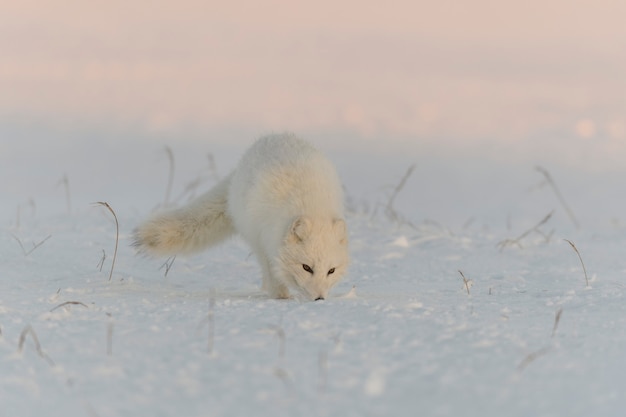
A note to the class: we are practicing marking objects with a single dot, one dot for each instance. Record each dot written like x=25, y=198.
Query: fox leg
x=270, y=284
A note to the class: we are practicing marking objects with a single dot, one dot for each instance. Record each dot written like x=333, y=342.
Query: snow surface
x=400, y=336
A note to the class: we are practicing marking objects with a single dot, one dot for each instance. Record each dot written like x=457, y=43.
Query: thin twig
x=581, y=259
x=517, y=241
x=558, y=194
x=168, y=265
x=117, y=234
x=69, y=303
x=35, y=245
x=390, y=211
x=20, y=243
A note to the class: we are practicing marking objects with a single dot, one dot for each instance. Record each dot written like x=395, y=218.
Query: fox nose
x=319, y=298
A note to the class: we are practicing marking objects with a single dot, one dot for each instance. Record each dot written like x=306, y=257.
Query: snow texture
x=402, y=335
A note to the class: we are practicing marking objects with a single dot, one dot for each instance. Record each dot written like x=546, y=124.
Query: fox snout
x=320, y=295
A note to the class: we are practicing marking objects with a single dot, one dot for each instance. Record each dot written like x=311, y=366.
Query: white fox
x=285, y=199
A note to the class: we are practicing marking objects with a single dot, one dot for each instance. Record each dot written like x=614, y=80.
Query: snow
x=400, y=335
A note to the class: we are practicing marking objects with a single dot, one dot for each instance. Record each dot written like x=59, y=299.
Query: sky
x=533, y=74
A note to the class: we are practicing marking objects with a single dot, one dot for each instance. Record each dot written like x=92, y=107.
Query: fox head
x=314, y=256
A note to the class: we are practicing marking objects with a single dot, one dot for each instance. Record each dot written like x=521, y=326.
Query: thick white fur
x=285, y=199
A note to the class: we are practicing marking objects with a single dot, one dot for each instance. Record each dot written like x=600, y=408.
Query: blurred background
x=86, y=86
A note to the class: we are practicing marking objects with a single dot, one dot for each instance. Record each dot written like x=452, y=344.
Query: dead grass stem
x=536, y=229
x=117, y=234
x=69, y=303
x=390, y=210
x=580, y=258
x=466, y=282
x=35, y=245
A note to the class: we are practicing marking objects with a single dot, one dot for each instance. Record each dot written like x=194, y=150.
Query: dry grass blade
x=65, y=182
x=20, y=243
x=558, y=194
x=101, y=263
x=283, y=375
x=211, y=319
x=110, y=339
x=213, y=167
x=280, y=333
x=170, y=178
x=76, y=303
x=557, y=318
x=33, y=207
x=580, y=258
x=532, y=357
x=29, y=330
x=110, y=335
x=466, y=282
x=117, y=234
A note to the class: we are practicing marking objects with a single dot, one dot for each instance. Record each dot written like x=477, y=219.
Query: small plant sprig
x=580, y=258
x=117, y=234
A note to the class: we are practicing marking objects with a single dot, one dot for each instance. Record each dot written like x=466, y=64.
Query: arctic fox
x=285, y=199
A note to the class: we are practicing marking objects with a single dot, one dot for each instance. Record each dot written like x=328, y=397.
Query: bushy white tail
x=202, y=223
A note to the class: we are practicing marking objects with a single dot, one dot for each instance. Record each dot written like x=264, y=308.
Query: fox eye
x=307, y=268
x=331, y=271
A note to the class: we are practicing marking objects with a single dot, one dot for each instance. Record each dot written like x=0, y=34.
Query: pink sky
x=447, y=69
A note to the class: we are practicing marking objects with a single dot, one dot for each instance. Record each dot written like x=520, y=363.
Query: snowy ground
x=400, y=336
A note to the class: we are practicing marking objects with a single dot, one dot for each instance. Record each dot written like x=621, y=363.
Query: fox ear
x=339, y=226
x=300, y=229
